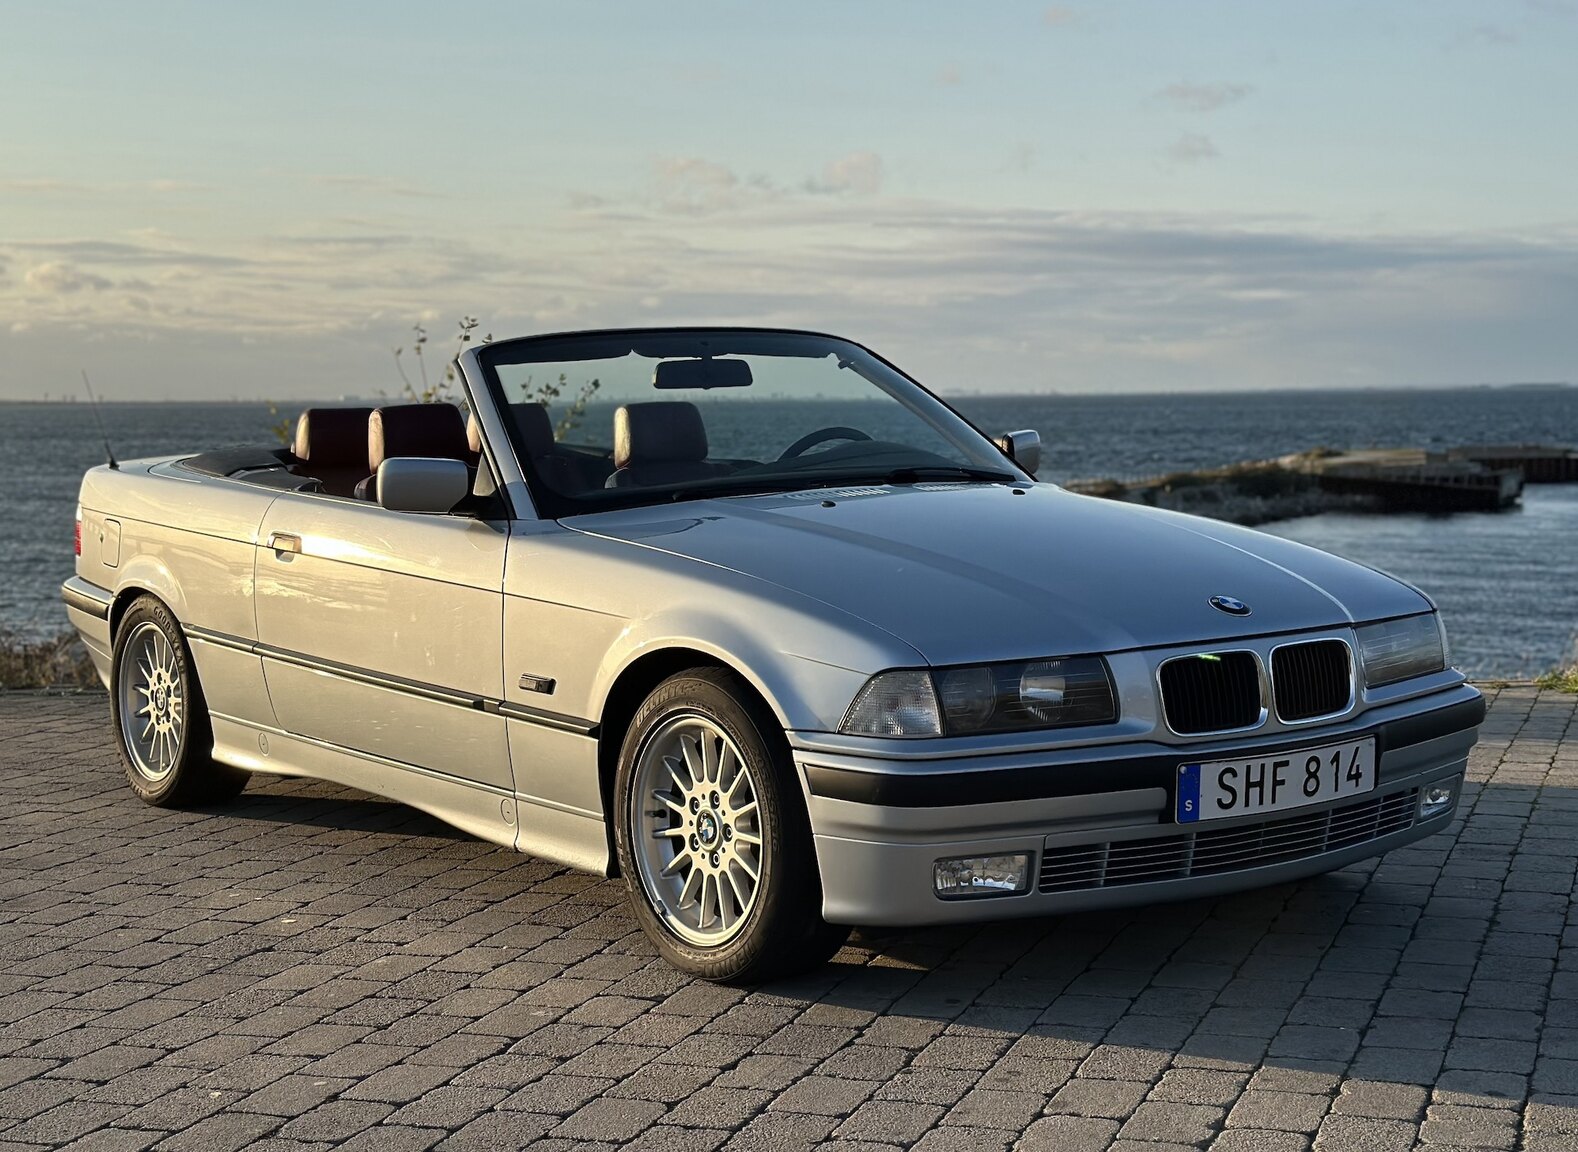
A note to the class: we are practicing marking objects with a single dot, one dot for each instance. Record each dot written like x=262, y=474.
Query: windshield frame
x=615, y=342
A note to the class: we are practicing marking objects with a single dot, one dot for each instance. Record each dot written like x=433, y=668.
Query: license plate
x=1223, y=788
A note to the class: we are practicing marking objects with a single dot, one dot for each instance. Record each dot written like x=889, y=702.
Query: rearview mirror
x=1023, y=448
x=702, y=374
x=422, y=484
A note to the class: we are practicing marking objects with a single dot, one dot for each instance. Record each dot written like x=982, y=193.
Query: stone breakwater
x=1483, y=478
x=1254, y=492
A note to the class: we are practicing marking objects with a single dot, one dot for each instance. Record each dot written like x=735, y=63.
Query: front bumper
x=1099, y=826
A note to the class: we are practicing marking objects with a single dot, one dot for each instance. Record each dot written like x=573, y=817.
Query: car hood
x=972, y=572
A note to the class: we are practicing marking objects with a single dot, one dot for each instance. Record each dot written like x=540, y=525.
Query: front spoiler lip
x=1147, y=765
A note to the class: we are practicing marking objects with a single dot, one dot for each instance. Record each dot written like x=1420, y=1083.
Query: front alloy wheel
x=712, y=834
x=699, y=845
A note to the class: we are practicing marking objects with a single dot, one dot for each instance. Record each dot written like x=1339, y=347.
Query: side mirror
x=422, y=484
x=1023, y=448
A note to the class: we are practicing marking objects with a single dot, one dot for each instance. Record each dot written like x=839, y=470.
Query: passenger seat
x=331, y=444
x=432, y=430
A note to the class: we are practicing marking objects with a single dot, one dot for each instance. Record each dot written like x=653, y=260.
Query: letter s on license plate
x=1224, y=788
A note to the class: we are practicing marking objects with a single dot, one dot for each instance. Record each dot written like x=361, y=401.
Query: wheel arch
x=145, y=576
x=634, y=683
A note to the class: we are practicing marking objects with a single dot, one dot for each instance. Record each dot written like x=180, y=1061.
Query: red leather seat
x=331, y=444
x=433, y=430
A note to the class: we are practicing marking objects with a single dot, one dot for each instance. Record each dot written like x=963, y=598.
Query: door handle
x=283, y=542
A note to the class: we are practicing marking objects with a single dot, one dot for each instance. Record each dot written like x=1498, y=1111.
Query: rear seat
x=434, y=430
x=331, y=444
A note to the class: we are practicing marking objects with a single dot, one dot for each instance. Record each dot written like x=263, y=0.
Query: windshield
x=615, y=419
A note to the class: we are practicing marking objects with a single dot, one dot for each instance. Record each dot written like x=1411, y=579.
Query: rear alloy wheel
x=713, y=840
x=161, y=719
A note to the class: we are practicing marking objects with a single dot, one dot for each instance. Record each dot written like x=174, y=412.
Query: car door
x=381, y=634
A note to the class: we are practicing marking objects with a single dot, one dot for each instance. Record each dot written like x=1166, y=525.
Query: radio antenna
x=93, y=401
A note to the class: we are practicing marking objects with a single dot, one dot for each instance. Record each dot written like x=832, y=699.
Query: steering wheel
x=812, y=439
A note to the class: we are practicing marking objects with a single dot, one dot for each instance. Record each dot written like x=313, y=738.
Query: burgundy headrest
x=536, y=429
x=415, y=430
x=332, y=437
x=658, y=431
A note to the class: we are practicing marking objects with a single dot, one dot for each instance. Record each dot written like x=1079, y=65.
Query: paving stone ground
x=310, y=967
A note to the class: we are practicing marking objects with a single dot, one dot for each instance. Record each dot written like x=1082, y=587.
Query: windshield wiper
x=813, y=481
x=945, y=472
x=746, y=488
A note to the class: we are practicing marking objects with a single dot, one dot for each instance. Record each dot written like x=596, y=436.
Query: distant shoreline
x=1049, y=393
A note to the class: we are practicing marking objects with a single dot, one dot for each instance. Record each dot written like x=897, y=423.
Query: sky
x=261, y=200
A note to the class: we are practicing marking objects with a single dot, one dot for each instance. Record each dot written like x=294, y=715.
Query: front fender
x=772, y=649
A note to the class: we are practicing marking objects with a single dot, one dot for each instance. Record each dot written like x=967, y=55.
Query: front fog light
x=982, y=875
x=1434, y=800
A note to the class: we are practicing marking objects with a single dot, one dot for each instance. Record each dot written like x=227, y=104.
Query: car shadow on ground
x=1414, y=971
x=347, y=810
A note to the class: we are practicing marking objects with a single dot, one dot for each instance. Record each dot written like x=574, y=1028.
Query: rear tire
x=712, y=835
x=160, y=717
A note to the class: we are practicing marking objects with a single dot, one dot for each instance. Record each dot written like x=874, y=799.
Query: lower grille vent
x=1213, y=851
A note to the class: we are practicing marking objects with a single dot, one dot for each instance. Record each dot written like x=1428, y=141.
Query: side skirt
x=471, y=807
x=548, y=831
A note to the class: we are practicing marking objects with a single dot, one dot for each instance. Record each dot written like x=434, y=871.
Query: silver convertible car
x=772, y=633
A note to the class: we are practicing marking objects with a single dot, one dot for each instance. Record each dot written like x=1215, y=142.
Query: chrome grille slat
x=1208, y=851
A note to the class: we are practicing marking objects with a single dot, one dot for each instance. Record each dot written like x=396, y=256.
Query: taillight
x=77, y=542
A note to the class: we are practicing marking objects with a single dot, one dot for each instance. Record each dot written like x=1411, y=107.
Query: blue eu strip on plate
x=1188, y=793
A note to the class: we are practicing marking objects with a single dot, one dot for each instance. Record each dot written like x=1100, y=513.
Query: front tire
x=160, y=717
x=712, y=835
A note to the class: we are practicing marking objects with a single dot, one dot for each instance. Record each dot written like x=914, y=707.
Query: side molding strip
x=538, y=716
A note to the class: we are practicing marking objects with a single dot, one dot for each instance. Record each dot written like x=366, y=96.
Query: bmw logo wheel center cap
x=707, y=829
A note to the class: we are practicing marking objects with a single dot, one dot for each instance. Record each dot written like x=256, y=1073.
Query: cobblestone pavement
x=311, y=967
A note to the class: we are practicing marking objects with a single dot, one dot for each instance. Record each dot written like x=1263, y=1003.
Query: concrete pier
x=1539, y=463
x=1414, y=479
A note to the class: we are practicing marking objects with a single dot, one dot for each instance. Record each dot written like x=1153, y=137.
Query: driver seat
x=661, y=442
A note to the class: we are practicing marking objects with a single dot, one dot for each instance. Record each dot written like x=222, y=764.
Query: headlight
x=985, y=698
x=1395, y=650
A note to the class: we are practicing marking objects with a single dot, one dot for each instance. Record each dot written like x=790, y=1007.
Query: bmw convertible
x=772, y=633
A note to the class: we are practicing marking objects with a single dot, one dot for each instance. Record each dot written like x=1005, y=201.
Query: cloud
x=119, y=252
x=970, y=297
x=948, y=76
x=1491, y=34
x=50, y=186
x=1192, y=148
x=859, y=173
x=63, y=279
x=375, y=186
x=1057, y=15
x=1203, y=97
x=692, y=185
